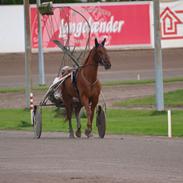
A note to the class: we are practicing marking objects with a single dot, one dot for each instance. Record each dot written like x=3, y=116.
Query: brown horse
x=87, y=88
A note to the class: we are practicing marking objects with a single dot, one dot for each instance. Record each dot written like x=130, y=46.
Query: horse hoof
x=71, y=135
x=78, y=133
x=88, y=132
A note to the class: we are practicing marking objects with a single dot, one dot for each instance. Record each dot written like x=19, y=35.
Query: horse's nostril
x=108, y=66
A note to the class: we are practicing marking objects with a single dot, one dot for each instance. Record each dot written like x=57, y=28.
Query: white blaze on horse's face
x=103, y=58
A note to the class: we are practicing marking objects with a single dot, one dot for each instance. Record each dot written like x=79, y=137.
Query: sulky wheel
x=101, y=121
x=37, y=122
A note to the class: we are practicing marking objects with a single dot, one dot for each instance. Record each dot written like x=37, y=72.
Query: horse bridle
x=100, y=62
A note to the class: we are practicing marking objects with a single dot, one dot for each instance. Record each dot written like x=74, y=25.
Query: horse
x=87, y=88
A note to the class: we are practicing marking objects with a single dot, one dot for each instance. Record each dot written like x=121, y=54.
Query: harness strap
x=89, y=84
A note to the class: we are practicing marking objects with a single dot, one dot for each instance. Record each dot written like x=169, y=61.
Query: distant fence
x=126, y=25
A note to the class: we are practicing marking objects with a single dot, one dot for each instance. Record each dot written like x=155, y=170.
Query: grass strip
x=138, y=82
x=21, y=90
x=104, y=83
x=172, y=99
x=132, y=122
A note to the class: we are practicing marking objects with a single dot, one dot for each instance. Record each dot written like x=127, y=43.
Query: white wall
x=11, y=29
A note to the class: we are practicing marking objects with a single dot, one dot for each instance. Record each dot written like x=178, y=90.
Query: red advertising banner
x=122, y=24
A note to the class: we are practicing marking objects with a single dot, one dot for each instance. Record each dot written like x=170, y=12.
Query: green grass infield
x=131, y=122
x=171, y=99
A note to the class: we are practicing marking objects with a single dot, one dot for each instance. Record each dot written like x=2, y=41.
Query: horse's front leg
x=85, y=102
x=94, y=103
x=71, y=132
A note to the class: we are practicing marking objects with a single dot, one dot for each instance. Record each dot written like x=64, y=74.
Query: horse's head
x=101, y=56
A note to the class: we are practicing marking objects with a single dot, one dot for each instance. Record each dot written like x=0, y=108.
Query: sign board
x=123, y=24
x=171, y=17
x=126, y=25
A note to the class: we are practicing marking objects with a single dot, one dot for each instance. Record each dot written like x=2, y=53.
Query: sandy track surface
x=126, y=65
x=111, y=94
x=115, y=159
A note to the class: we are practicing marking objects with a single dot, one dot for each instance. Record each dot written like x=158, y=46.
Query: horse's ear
x=103, y=42
x=96, y=43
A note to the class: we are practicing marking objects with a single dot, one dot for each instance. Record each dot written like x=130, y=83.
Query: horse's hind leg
x=71, y=132
x=77, y=111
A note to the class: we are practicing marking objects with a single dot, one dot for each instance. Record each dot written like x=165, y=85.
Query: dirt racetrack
x=115, y=159
x=126, y=65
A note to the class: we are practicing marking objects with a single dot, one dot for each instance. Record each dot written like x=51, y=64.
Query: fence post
x=40, y=48
x=27, y=52
x=31, y=106
x=169, y=124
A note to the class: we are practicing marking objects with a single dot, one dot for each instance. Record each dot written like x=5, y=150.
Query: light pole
x=158, y=58
x=27, y=53
x=40, y=49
